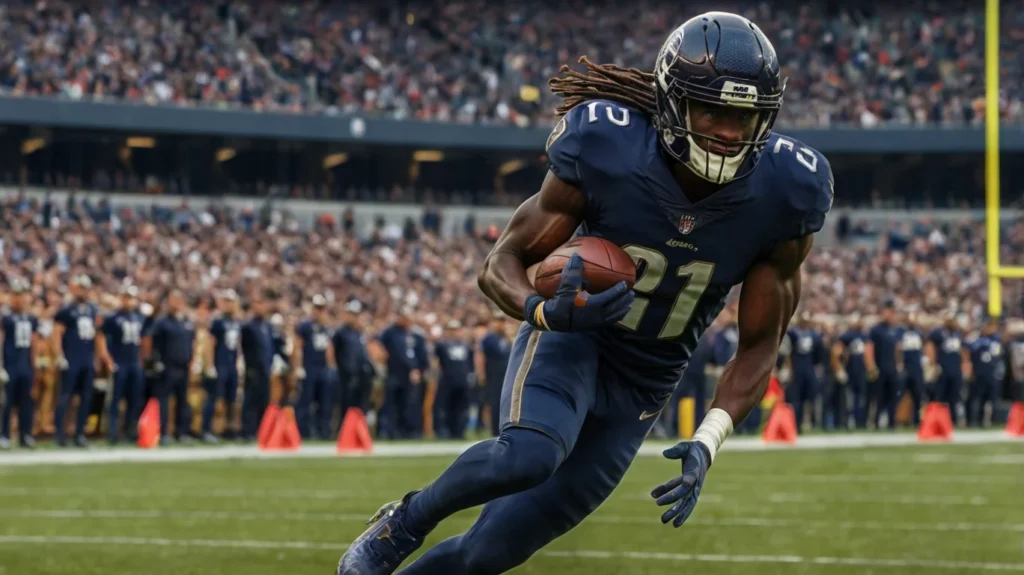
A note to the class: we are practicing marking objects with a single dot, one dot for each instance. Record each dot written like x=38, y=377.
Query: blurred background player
x=398, y=413
x=17, y=373
x=883, y=368
x=258, y=352
x=805, y=361
x=987, y=370
x=173, y=341
x=77, y=347
x=945, y=351
x=493, y=355
x=221, y=377
x=912, y=347
x=313, y=358
x=350, y=354
x=123, y=333
x=850, y=374
x=456, y=379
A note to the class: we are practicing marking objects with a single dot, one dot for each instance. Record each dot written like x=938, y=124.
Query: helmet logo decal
x=738, y=94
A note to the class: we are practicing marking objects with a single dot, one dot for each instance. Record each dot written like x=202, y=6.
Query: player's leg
x=229, y=381
x=324, y=399
x=511, y=529
x=183, y=411
x=214, y=391
x=66, y=388
x=549, y=387
x=26, y=408
x=795, y=396
x=11, y=397
x=114, y=405
x=307, y=389
x=84, y=384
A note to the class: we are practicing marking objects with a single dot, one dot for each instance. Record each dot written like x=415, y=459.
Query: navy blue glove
x=684, y=490
x=572, y=308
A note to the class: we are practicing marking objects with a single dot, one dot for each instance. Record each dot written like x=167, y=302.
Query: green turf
x=934, y=509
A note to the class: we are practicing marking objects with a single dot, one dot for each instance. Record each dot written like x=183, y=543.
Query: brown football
x=604, y=265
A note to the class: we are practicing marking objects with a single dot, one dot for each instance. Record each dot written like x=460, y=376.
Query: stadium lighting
x=141, y=142
x=334, y=160
x=32, y=145
x=428, y=156
x=225, y=154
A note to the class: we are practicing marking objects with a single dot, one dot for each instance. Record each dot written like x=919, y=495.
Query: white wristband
x=713, y=431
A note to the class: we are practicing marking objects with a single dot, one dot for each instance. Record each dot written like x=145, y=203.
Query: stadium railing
x=125, y=117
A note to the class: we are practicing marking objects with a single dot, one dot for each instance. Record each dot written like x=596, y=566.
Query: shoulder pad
x=593, y=136
x=804, y=177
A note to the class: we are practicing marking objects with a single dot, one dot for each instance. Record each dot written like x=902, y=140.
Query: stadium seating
x=471, y=61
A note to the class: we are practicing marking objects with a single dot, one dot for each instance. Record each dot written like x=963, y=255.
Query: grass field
x=894, y=510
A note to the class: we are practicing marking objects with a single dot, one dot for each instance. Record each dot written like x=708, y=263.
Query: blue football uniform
x=318, y=385
x=123, y=331
x=456, y=378
x=949, y=386
x=806, y=355
x=79, y=346
x=989, y=369
x=884, y=391
x=19, y=330
x=597, y=393
x=226, y=334
x=854, y=343
x=912, y=344
x=496, y=348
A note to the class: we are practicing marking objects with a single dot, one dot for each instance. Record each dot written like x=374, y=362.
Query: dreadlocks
x=628, y=86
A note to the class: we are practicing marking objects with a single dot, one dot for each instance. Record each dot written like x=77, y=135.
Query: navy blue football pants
x=75, y=380
x=224, y=386
x=129, y=385
x=317, y=388
x=18, y=393
x=571, y=426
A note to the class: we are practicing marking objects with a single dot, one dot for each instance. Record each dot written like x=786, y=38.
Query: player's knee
x=525, y=458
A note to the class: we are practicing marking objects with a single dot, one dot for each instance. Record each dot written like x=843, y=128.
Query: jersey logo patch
x=687, y=223
x=555, y=133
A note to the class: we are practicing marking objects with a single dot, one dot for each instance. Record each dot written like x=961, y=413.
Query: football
x=604, y=265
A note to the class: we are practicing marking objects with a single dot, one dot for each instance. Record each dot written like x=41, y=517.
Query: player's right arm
x=541, y=224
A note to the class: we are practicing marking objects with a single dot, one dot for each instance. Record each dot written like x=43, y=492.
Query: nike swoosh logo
x=644, y=415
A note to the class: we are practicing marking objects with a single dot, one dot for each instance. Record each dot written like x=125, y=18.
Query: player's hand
x=4, y=377
x=211, y=372
x=300, y=373
x=682, y=492
x=62, y=363
x=573, y=308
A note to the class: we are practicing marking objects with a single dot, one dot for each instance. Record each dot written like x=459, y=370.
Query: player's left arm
x=770, y=293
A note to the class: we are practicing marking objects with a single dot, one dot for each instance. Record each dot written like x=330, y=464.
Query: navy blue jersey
x=349, y=350
x=79, y=340
x=987, y=357
x=123, y=331
x=806, y=348
x=455, y=359
x=173, y=340
x=690, y=254
x=401, y=347
x=315, y=337
x=912, y=343
x=226, y=334
x=884, y=337
x=19, y=329
x=496, y=348
x=947, y=348
x=420, y=347
x=853, y=342
x=257, y=341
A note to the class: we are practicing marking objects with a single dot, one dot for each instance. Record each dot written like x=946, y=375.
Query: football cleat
x=382, y=547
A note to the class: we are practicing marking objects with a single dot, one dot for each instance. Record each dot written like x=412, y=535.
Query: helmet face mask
x=704, y=94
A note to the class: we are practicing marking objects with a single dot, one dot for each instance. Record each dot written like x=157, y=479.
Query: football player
x=682, y=166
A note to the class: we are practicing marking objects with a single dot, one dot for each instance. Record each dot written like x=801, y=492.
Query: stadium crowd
x=195, y=264
x=471, y=61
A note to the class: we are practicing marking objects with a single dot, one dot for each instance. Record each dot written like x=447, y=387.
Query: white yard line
x=752, y=522
x=102, y=455
x=961, y=566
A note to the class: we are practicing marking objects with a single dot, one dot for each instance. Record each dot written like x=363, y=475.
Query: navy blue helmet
x=720, y=59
